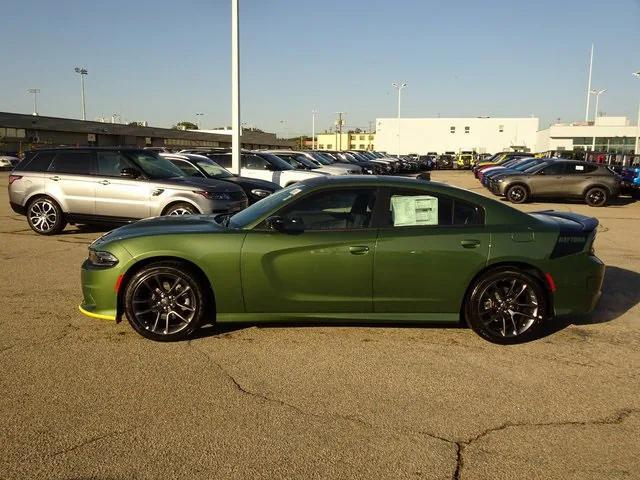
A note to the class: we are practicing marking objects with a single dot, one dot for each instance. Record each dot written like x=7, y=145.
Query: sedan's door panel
x=426, y=269
x=314, y=272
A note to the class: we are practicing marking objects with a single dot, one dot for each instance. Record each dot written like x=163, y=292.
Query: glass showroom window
x=453, y=129
x=467, y=129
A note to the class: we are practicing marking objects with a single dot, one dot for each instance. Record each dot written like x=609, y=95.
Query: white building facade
x=607, y=134
x=480, y=134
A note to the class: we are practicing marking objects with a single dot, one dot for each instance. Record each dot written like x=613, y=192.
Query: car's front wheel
x=181, y=208
x=165, y=301
x=517, y=194
x=506, y=306
x=45, y=216
x=596, y=197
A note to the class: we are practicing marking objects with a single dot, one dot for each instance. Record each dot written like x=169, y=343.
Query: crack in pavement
x=89, y=441
x=460, y=445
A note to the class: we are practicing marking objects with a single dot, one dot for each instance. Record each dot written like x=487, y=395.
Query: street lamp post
x=198, y=116
x=35, y=92
x=597, y=93
x=399, y=86
x=82, y=72
x=235, y=86
x=636, y=150
x=313, y=129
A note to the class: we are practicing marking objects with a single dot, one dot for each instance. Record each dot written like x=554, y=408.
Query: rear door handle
x=470, y=243
x=104, y=182
x=55, y=178
x=358, y=249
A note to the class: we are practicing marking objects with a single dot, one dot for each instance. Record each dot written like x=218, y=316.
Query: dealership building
x=479, y=134
x=606, y=134
x=20, y=132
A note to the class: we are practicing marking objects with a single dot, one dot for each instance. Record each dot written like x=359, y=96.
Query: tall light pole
x=82, y=72
x=586, y=115
x=313, y=129
x=636, y=150
x=399, y=86
x=235, y=86
x=597, y=93
x=35, y=92
x=198, y=116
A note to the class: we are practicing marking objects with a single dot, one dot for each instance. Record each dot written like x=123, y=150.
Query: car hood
x=339, y=169
x=166, y=225
x=189, y=183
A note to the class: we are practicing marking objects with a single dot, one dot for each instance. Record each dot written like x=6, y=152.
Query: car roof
x=126, y=149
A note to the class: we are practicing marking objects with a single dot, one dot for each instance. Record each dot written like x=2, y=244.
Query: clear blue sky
x=163, y=61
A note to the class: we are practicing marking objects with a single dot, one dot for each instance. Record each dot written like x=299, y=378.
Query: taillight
x=13, y=178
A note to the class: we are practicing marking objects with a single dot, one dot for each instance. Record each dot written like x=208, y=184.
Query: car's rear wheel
x=45, y=216
x=181, y=208
x=596, y=197
x=517, y=194
x=165, y=301
x=506, y=306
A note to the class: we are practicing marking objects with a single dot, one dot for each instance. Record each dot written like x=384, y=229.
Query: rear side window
x=81, y=163
x=413, y=208
x=39, y=162
x=579, y=168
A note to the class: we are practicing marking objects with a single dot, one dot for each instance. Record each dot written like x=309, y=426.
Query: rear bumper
x=578, y=281
x=19, y=209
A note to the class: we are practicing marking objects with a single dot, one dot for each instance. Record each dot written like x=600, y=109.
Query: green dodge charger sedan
x=352, y=248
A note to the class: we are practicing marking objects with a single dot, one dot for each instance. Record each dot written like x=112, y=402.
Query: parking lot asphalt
x=83, y=398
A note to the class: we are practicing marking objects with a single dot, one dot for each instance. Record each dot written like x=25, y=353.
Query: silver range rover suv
x=53, y=187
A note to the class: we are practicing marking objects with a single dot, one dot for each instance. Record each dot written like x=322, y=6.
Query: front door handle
x=472, y=243
x=359, y=249
x=104, y=182
x=55, y=178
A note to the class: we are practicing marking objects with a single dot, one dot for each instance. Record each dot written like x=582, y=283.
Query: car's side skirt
x=365, y=317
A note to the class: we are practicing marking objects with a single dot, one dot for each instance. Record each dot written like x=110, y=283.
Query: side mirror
x=285, y=225
x=130, y=173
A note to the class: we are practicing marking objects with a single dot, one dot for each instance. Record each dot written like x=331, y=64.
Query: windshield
x=278, y=162
x=259, y=209
x=211, y=168
x=526, y=165
x=321, y=158
x=536, y=167
x=155, y=166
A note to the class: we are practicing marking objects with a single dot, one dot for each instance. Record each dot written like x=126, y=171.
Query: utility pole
x=235, y=87
x=340, y=124
x=586, y=115
x=313, y=129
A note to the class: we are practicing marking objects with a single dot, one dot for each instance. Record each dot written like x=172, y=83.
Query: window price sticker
x=417, y=210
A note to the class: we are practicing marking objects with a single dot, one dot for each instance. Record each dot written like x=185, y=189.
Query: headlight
x=102, y=259
x=501, y=180
x=258, y=192
x=213, y=195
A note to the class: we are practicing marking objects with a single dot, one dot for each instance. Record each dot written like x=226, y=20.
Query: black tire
x=45, y=217
x=181, y=208
x=517, y=194
x=500, y=317
x=168, y=294
x=596, y=197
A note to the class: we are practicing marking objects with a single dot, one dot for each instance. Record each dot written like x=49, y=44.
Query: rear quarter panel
x=31, y=183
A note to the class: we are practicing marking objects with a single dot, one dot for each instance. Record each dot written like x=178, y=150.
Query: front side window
x=110, y=164
x=254, y=162
x=221, y=159
x=416, y=208
x=76, y=162
x=213, y=169
x=333, y=210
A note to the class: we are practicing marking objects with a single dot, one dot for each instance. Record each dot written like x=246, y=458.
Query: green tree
x=185, y=126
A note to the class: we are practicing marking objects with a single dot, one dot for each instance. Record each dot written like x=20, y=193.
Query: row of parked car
x=56, y=186
x=519, y=177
